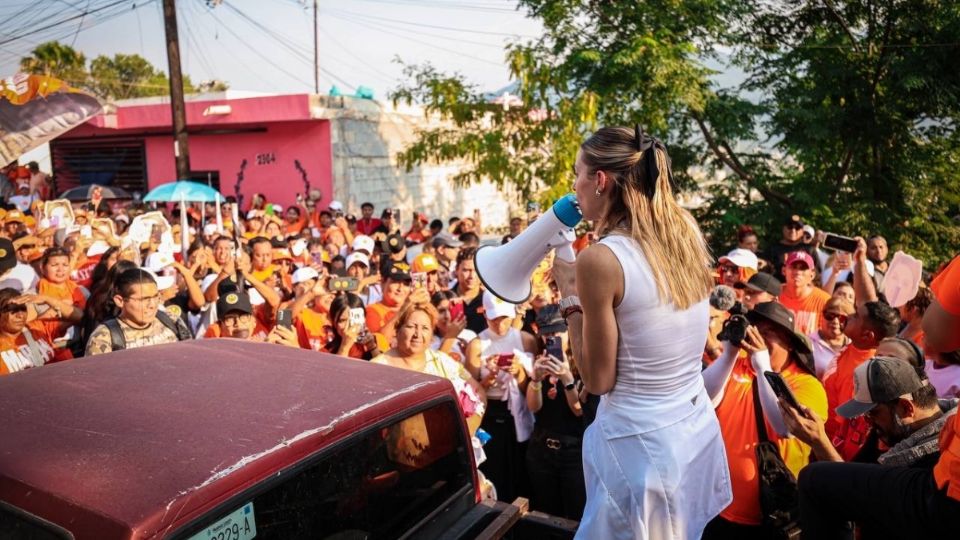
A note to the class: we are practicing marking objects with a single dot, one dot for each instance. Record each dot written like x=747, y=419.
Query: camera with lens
x=735, y=328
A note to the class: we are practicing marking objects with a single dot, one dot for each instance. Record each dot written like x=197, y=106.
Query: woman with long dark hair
x=349, y=337
x=637, y=311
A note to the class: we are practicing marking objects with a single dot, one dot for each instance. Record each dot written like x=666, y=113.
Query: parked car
x=232, y=440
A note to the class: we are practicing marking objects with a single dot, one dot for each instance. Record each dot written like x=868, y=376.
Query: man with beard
x=877, y=251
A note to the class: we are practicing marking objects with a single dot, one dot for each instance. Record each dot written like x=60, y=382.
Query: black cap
x=794, y=220
x=8, y=256
x=775, y=313
x=233, y=301
x=879, y=380
x=550, y=321
x=227, y=285
x=394, y=243
x=763, y=282
x=396, y=271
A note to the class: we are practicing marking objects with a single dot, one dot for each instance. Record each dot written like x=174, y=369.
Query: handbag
x=779, y=499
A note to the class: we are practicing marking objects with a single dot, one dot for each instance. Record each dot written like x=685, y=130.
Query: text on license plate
x=238, y=525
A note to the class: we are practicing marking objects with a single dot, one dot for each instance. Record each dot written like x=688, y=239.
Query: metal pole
x=180, y=149
x=316, y=52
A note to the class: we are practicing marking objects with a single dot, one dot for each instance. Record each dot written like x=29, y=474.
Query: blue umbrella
x=182, y=190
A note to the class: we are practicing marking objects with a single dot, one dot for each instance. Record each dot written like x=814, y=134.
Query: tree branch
x=843, y=24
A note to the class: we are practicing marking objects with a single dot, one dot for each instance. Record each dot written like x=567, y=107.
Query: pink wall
x=279, y=179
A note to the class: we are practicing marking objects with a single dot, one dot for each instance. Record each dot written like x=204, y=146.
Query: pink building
x=275, y=145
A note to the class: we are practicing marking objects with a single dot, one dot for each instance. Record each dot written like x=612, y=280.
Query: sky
x=267, y=45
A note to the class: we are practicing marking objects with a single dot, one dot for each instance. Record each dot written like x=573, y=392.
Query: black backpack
x=118, y=342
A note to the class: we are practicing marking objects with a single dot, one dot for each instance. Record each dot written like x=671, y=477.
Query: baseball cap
x=14, y=215
x=425, y=262
x=799, y=256
x=743, y=258
x=794, y=220
x=363, y=242
x=163, y=282
x=394, y=243
x=354, y=258
x=209, y=229
x=879, y=380
x=336, y=206
x=446, y=240
x=304, y=274
x=550, y=320
x=8, y=258
x=233, y=301
x=808, y=230
x=763, y=282
x=396, y=271
x=282, y=253
x=158, y=261
x=494, y=307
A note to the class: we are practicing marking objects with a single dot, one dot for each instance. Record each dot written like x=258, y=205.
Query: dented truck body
x=235, y=440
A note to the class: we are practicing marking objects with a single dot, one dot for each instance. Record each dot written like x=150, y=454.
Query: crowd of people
x=828, y=399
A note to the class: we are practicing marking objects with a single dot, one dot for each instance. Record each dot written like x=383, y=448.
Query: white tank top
x=491, y=344
x=659, y=348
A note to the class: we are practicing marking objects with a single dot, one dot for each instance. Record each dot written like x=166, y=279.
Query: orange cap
x=425, y=262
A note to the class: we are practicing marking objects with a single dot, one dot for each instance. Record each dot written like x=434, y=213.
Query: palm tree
x=58, y=60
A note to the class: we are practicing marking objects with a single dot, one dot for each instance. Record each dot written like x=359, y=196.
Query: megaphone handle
x=566, y=253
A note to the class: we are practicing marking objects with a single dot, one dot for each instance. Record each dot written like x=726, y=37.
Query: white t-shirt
x=823, y=355
x=945, y=379
x=459, y=351
x=21, y=277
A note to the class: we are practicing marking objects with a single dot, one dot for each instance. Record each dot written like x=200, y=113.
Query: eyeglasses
x=145, y=299
x=729, y=269
x=234, y=320
x=835, y=316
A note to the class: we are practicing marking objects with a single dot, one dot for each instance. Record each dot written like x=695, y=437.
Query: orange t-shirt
x=313, y=329
x=806, y=311
x=67, y=291
x=946, y=288
x=15, y=354
x=847, y=436
x=379, y=315
x=739, y=429
x=260, y=332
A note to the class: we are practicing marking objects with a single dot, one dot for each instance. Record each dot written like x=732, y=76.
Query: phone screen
x=419, y=279
x=781, y=389
x=839, y=243
x=456, y=309
x=358, y=317
x=285, y=318
x=505, y=360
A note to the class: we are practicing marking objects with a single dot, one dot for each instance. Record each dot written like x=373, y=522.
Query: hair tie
x=647, y=146
x=638, y=133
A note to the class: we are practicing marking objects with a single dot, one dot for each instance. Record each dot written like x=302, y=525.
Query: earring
x=598, y=192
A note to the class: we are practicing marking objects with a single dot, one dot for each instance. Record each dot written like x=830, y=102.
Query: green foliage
x=846, y=113
x=57, y=60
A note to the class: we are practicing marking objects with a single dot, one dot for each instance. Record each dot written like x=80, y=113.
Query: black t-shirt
x=475, y=319
x=178, y=307
x=555, y=415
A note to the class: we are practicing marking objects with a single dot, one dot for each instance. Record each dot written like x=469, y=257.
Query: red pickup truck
x=232, y=440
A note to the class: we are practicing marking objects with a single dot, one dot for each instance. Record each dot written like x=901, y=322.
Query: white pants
x=666, y=483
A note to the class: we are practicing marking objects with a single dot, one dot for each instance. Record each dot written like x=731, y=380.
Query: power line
x=438, y=27
x=60, y=22
x=401, y=29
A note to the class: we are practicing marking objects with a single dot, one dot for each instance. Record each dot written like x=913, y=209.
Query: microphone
x=723, y=298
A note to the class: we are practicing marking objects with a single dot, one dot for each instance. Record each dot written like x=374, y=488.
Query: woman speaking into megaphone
x=636, y=304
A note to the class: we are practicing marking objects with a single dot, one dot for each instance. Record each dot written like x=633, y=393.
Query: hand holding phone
x=505, y=360
x=357, y=318
x=456, y=310
x=781, y=389
x=554, y=347
x=285, y=318
x=839, y=243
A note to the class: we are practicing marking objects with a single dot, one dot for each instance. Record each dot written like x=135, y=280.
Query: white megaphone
x=506, y=270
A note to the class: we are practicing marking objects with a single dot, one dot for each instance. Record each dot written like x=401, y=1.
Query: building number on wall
x=266, y=159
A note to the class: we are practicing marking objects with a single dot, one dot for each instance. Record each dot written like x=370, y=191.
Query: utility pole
x=316, y=52
x=180, y=149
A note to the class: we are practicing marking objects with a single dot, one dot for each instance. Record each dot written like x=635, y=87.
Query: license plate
x=238, y=525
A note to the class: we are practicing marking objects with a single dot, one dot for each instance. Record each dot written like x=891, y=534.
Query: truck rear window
x=379, y=485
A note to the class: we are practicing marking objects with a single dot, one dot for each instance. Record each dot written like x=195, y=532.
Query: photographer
x=768, y=343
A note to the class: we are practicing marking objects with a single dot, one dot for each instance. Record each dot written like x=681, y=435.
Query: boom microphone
x=723, y=298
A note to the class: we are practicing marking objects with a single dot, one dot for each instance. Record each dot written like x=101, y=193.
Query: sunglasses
x=729, y=269
x=834, y=316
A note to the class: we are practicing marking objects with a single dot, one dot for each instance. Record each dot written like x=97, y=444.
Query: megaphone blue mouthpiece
x=567, y=210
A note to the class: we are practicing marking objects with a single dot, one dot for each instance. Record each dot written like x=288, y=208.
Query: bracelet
x=536, y=385
x=570, y=311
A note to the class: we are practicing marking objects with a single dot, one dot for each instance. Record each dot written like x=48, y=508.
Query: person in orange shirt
x=396, y=288
x=871, y=324
x=350, y=339
x=295, y=219
x=310, y=308
x=771, y=345
x=23, y=345
x=800, y=295
x=65, y=298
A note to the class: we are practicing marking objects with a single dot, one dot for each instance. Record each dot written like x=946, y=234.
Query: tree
x=58, y=60
x=128, y=76
x=846, y=111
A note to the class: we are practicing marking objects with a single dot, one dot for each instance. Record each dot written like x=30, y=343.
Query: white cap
x=253, y=214
x=304, y=274
x=98, y=247
x=744, y=258
x=298, y=247
x=209, y=229
x=336, y=206
x=494, y=307
x=163, y=282
x=158, y=261
x=122, y=217
x=357, y=258
x=809, y=230
x=364, y=243
x=276, y=208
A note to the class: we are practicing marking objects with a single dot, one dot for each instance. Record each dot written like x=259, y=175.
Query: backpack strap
x=117, y=340
x=176, y=326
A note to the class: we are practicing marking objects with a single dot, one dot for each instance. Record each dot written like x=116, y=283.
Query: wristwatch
x=569, y=306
